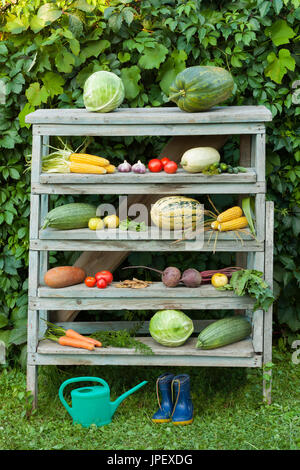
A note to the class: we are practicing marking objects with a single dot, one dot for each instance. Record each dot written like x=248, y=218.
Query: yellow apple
x=219, y=280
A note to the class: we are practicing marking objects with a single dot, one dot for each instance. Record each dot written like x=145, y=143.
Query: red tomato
x=107, y=275
x=101, y=283
x=170, y=167
x=165, y=160
x=90, y=281
x=155, y=165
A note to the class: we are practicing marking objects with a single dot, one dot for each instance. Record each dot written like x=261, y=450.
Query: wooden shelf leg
x=32, y=383
x=268, y=315
x=32, y=342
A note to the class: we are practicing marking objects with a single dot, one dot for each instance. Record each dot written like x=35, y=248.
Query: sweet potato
x=64, y=276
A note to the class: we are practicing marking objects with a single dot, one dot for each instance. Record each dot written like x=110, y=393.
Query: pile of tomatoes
x=156, y=165
x=101, y=279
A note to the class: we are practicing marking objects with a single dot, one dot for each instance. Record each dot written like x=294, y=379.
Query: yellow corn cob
x=230, y=214
x=110, y=168
x=89, y=159
x=215, y=225
x=235, y=224
x=86, y=168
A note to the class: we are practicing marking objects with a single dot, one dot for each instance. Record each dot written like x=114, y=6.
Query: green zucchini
x=223, y=332
x=70, y=216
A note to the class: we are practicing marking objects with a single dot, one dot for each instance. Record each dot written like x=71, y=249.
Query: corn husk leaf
x=247, y=206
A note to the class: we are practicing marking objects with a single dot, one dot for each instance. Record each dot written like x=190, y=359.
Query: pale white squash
x=196, y=159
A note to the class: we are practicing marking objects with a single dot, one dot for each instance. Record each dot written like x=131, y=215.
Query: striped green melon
x=176, y=213
x=70, y=216
x=223, y=332
x=199, y=88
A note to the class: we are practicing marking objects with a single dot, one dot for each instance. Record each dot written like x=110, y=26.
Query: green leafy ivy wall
x=48, y=49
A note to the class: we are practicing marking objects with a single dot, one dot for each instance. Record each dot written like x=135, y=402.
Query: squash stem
x=180, y=93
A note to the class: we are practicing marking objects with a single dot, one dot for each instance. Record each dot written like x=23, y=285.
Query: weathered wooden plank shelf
x=156, y=295
x=118, y=240
x=123, y=130
x=164, y=115
x=156, y=289
x=152, y=233
x=156, y=183
x=181, y=176
x=237, y=354
x=150, y=121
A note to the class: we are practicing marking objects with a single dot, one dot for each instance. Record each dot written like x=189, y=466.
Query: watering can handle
x=78, y=379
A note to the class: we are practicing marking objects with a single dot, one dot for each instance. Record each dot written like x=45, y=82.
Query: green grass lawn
x=229, y=413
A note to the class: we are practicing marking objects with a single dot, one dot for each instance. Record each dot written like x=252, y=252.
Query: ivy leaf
x=18, y=335
x=37, y=24
x=264, y=8
x=3, y=50
x=16, y=84
x=14, y=174
x=130, y=77
x=36, y=95
x=115, y=22
x=280, y=32
x=49, y=13
x=3, y=320
x=169, y=70
x=152, y=57
x=74, y=46
x=53, y=83
x=15, y=25
x=277, y=5
x=124, y=56
x=128, y=15
x=278, y=66
x=76, y=22
x=27, y=109
x=64, y=61
x=93, y=49
x=8, y=140
x=83, y=6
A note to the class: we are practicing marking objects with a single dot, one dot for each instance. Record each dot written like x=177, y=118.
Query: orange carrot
x=73, y=334
x=75, y=343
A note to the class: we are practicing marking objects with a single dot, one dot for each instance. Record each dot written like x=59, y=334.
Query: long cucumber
x=223, y=332
x=70, y=216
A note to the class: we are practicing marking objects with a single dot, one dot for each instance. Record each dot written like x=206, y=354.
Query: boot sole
x=183, y=423
x=167, y=420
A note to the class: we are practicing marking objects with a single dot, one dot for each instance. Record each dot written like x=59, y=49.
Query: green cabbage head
x=103, y=92
x=170, y=327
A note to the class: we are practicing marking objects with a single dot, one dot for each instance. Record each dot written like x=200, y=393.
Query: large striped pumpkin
x=176, y=213
x=199, y=88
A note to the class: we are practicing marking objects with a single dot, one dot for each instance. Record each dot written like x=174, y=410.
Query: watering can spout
x=114, y=404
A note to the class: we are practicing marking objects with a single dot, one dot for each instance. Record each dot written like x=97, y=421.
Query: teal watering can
x=92, y=405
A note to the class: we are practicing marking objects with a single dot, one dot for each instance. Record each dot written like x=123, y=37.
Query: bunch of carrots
x=70, y=337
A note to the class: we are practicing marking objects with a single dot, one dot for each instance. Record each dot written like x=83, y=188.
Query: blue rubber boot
x=183, y=407
x=163, y=385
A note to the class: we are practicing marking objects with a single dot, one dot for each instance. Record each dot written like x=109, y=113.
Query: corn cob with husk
x=230, y=214
x=65, y=160
x=233, y=224
x=110, y=168
x=86, y=168
x=215, y=225
x=85, y=158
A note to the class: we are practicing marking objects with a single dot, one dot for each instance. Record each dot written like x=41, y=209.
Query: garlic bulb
x=139, y=167
x=124, y=167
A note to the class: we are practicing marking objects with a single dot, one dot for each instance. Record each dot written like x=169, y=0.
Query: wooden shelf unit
x=236, y=120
